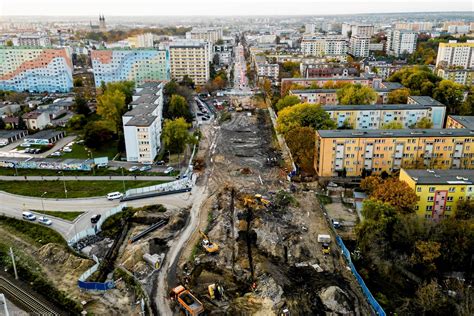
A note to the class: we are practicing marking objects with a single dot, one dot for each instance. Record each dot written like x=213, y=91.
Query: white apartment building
x=454, y=54
x=210, y=35
x=364, y=30
x=359, y=46
x=319, y=46
x=33, y=40
x=414, y=26
x=310, y=28
x=142, y=124
x=401, y=42
x=190, y=58
x=270, y=71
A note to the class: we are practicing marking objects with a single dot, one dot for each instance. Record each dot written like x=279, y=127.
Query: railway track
x=26, y=301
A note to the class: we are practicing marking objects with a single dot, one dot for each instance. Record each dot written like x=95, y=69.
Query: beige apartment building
x=190, y=58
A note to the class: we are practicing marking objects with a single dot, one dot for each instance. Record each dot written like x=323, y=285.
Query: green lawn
x=79, y=151
x=69, y=216
x=35, y=232
x=76, y=189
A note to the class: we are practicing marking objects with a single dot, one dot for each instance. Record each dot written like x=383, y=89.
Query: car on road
x=200, y=114
x=95, y=218
x=145, y=168
x=133, y=169
x=169, y=170
x=29, y=216
x=204, y=118
x=45, y=221
x=114, y=195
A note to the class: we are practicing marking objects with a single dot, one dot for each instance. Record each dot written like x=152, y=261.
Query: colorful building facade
x=439, y=191
x=351, y=151
x=138, y=65
x=35, y=69
x=460, y=121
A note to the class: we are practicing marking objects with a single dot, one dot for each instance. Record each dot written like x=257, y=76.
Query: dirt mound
x=336, y=300
x=53, y=254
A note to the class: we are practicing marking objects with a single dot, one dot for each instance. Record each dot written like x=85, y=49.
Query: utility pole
x=42, y=200
x=14, y=264
x=64, y=183
x=123, y=181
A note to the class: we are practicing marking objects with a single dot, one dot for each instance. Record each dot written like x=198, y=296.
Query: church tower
x=102, y=26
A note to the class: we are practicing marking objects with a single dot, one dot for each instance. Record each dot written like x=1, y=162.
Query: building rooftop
x=368, y=107
x=11, y=133
x=145, y=99
x=392, y=85
x=466, y=121
x=142, y=109
x=45, y=134
x=448, y=176
x=424, y=100
x=385, y=133
x=31, y=115
x=142, y=120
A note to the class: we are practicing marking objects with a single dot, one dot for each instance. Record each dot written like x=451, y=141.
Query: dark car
x=160, y=163
x=95, y=218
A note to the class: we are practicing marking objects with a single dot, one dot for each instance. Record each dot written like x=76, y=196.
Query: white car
x=114, y=195
x=134, y=168
x=29, y=216
x=45, y=221
x=56, y=154
x=25, y=145
x=67, y=149
x=169, y=170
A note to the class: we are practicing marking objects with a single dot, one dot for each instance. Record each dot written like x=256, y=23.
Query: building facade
x=142, y=124
x=359, y=46
x=35, y=70
x=454, y=54
x=460, y=121
x=401, y=42
x=138, y=65
x=190, y=58
x=439, y=191
x=33, y=40
x=319, y=46
x=376, y=151
x=211, y=35
x=461, y=76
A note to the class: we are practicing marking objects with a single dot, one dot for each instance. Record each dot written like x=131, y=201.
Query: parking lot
x=16, y=149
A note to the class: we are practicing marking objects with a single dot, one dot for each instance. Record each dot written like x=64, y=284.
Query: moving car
x=134, y=168
x=95, y=218
x=145, y=168
x=114, y=195
x=29, y=216
x=45, y=221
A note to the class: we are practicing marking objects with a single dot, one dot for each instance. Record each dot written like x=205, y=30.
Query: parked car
x=56, y=154
x=145, y=168
x=67, y=149
x=25, y=145
x=160, y=163
x=114, y=195
x=36, y=151
x=45, y=221
x=169, y=170
x=3, y=143
x=95, y=218
x=29, y=216
x=134, y=168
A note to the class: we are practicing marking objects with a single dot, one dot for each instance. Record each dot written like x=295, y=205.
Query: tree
x=21, y=122
x=300, y=141
x=80, y=105
x=398, y=96
x=425, y=254
x=187, y=82
x=266, y=86
x=397, y=193
x=392, y=125
x=451, y=94
x=77, y=122
x=171, y=88
x=370, y=183
x=9, y=43
x=126, y=87
x=111, y=107
x=215, y=59
x=286, y=101
x=464, y=210
x=175, y=134
x=97, y=133
x=78, y=82
x=424, y=122
x=2, y=123
x=178, y=107
x=467, y=107
x=431, y=300
x=346, y=124
x=303, y=115
x=356, y=94
x=219, y=83
x=419, y=79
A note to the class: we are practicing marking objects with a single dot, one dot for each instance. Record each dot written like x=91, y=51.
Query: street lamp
x=42, y=200
x=64, y=183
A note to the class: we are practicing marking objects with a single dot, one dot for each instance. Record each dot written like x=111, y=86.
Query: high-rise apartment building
x=364, y=30
x=35, y=69
x=401, y=42
x=320, y=46
x=359, y=46
x=139, y=65
x=454, y=54
x=211, y=35
x=190, y=58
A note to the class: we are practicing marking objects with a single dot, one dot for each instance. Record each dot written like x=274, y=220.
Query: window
x=430, y=198
x=432, y=189
x=449, y=199
x=429, y=207
x=452, y=189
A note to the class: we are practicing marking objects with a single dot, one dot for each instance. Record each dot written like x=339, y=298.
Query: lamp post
x=123, y=181
x=42, y=200
x=64, y=183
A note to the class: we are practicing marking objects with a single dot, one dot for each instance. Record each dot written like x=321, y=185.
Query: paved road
x=13, y=206
x=86, y=178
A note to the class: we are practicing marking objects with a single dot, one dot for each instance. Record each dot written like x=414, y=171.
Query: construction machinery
x=188, y=302
x=262, y=200
x=216, y=291
x=207, y=244
x=326, y=248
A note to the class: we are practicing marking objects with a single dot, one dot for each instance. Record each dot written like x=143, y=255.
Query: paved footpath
x=86, y=178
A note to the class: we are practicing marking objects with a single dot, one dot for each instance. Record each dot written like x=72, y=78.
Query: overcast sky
x=225, y=7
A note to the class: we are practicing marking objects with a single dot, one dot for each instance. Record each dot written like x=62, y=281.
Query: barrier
x=93, y=286
x=370, y=298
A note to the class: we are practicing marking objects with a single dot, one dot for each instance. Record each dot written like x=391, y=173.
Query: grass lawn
x=35, y=232
x=79, y=151
x=76, y=189
x=69, y=216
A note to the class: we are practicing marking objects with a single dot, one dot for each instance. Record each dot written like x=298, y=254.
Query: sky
x=224, y=7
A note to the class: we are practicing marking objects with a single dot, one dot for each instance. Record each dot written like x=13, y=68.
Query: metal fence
x=94, y=286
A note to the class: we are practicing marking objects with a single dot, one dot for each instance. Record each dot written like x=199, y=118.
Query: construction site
x=257, y=250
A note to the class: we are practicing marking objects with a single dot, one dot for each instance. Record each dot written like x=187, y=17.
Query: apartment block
x=401, y=42
x=142, y=124
x=414, y=26
x=359, y=46
x=318, y=46
x=33, y=40
x=390, y=150
x=210, y=35
x=138, y=65
x=460, y=121
x=190, y=58
x=35, y=69
x=319, y=82
x=454, y=54
x=364, y=30
x=461, y=76
x=439, y=191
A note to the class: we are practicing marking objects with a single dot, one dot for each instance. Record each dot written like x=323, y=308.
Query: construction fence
x=94, y=286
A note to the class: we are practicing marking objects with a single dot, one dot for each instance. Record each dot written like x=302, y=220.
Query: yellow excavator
x=207, y=244
x=262, y=200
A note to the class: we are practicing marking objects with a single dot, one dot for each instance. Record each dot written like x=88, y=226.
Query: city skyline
x=230, y=8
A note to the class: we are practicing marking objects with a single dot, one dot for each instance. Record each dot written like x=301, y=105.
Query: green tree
x=419, y=79
x=80, y=105
x=125, y=87
x=356, y=94
x=187, y=82
x=424, y=122
x=111, y=107
x=2, y=123
x=171, y=88
x=97, y=133
x=175, y=134
x=303, y=115
x=78, y=82
x=77, y=122
x=451, y=94
x=467, y=107
x=464, y=210
x=398, y=96
x=370, y=183
x=392, y=125
x=286, y=101
x=21, y=122
x=178, y=107
x=9, y=43
x=300, y=141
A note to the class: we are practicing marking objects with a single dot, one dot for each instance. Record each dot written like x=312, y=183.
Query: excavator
x=208, y=244
x=262, y=200
x=188, y=302
x=256, y=202
x=216, y=291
